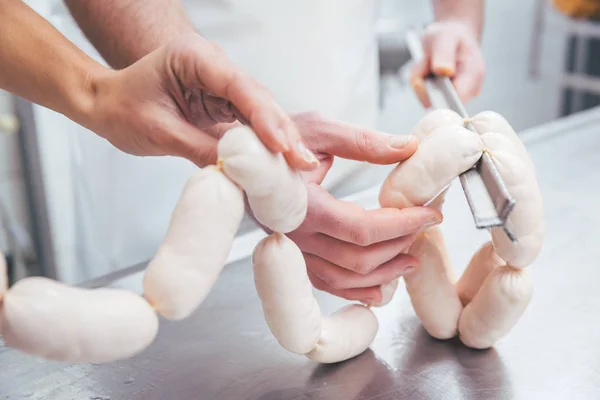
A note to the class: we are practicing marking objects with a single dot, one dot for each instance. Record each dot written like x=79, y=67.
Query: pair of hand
x=181, y=98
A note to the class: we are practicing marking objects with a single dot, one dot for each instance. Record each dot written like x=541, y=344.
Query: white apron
x=312, y=54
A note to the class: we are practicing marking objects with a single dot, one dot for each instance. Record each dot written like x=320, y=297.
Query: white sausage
x=51, y=320
x=276, y=193
x=441, y=157
x=527, y=217
x=489, y=121
x=285, y=291
x=346, y=334
x=484, y=261
x=434, y=120
x=496, y=308
x=431, y=286
x=200, y=234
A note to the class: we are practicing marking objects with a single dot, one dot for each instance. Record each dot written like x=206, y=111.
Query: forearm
x=123, y=31
x=38, y=63
x=469, y=12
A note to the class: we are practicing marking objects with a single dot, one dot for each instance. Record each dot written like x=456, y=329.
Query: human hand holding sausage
x=351, y=251
x=179, y=99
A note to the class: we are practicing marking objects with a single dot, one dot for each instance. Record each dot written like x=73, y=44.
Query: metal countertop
x=225, y=351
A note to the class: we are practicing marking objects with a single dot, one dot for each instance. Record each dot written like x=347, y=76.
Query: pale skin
x=349, y=251
x=451, y=47
x=174, y=101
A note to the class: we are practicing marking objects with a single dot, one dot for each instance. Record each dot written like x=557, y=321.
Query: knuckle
x=365, y=142
x=376, y=294
x=359, y=235
x=335, y=282
x=362, y=264
x=316, y=282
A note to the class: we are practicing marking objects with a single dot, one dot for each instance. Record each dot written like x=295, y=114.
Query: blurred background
x=541, y=65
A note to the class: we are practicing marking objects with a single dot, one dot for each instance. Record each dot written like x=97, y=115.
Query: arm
x=144, y=109
x=467, y=12
x=41, y=65
x=123, y=31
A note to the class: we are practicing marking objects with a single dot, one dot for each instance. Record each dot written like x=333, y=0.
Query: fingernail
x=429, y=224
x=408, y=270
x=282, y=139
x=444, y=70
x=307, y=155
x=401, y=141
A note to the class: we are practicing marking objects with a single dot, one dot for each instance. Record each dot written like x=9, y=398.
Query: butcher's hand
x=179, y=99
x=350, y=251
x=451, y=49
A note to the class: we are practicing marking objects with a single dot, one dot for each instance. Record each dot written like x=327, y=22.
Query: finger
x=352, y=257
x=340, y=278
x=355, y=143
x=444, y=48
x=319, y=174
x=351, y=223
x=419, y=72
x=470, y=72
x=218, y=108
x=185, y=140
x=197, y=63
x=370, y=295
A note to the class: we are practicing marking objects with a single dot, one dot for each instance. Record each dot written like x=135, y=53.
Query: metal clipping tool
x=487, y=195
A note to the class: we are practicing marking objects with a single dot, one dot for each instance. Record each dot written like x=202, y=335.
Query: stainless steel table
x=224, y=351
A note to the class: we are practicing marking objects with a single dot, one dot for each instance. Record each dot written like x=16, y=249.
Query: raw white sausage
x=494, y=295
x=489, y=121
x=484, y=261
x=276, y=193
x=496, y=308
x=431, y=287
x=527, y=217
x=200, y=234
x=441, y=157
x=46, y=318
x=346, y=334
x=285, y=291
x=434, y=120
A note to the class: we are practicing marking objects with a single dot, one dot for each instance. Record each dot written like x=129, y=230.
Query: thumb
x=355, y=143
x=187, y=141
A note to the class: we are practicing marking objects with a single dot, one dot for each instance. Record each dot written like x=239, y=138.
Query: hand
x=450, y=49
x=350, y=251
x=178, y=100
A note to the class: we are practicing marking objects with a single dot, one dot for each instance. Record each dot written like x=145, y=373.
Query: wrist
x=86, y=99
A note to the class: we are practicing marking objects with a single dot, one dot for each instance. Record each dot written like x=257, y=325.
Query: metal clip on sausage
x=489, y=199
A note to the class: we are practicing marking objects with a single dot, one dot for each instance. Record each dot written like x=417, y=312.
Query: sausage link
x=431, y=287
x=527, y=217
x=496, y=308
x=276, y=194
x=484, y=261
x=436, y=119
x=441, y=157
x=290, y=308
x=345, y=334
x=48, y=319
x=201, y=232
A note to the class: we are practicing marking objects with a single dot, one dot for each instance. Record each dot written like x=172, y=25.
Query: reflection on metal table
x=225, y=351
